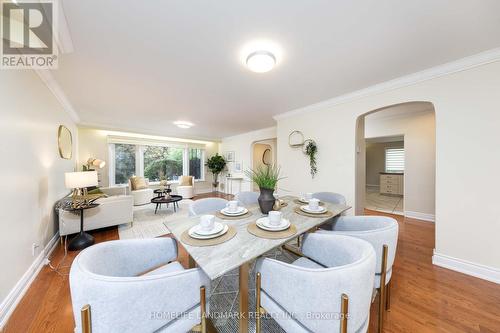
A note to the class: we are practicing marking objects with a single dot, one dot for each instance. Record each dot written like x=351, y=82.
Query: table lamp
x=79, y=181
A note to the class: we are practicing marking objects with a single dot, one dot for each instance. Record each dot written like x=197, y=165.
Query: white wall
x=94, y=143
x=467, y=158
x=420, y=155
x=242, y=145
x=32, y=176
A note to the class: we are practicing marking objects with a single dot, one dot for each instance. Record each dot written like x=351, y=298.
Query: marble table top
x=219, y=259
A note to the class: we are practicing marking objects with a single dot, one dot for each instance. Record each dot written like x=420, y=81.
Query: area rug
x=147, y=224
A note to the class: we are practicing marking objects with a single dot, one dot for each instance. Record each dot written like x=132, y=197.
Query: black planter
x=266, y=200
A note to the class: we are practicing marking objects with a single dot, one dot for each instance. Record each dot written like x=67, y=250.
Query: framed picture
x=230, y=156
x=237, y=167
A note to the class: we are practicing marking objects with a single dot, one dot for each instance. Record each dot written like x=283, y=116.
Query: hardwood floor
x=424, y=298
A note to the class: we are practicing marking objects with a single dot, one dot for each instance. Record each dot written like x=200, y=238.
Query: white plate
x=240, y=211
x=193, y=234
x=216, y=229
x=264, y=224
x=306, y=209
x=304, y=200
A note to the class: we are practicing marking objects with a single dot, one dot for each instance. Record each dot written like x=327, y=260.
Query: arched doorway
x=411, y=128
x=263, y=153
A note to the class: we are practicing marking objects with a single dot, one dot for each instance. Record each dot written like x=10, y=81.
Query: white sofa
x=141, y=197
x=113, y=210
x=187, y=191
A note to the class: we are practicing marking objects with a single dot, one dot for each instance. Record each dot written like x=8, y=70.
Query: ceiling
x=140, y=65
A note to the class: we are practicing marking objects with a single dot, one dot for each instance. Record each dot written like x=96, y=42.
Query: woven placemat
x=256, y=231
x=185, y=238
x=298, y=202
x=301, y=212
x=239, y=217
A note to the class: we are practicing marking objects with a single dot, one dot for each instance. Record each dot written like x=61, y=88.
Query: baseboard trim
x=10, y=302
x=420, y=216
x=466, y=267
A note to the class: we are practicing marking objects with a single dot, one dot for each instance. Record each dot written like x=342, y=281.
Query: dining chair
x=136, y=286
x=330, y=197
x=382, y=233
x=247, y=198
x=206, y=206
x=328, y=290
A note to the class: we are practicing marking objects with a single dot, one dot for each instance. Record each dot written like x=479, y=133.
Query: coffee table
x=167, y=199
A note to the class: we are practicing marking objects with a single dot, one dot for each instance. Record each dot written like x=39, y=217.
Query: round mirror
x=267, y=157
x=65, y=142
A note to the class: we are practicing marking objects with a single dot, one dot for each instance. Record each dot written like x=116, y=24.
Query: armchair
x=186, y=187
x=336, y=284
x=113, y=288
x=142, y=196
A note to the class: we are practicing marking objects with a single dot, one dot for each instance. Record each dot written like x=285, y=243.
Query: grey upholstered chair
x=382, y=233
x=247, y=198
x=206, y=206
x=330, y=197
x=132, y=286
x=333, y=282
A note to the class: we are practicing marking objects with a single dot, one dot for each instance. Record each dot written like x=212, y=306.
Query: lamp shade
x=96, y=162
x=80, y=179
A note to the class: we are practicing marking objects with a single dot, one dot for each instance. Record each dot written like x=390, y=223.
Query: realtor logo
x=28, y=30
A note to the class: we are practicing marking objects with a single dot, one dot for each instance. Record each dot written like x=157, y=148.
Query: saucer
x=263, y=223
x=199, y=230
x=240, y=211
x=195, y=235
x=306, y=209
x=304, y=200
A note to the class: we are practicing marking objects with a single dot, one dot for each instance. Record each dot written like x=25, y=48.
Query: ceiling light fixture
x=183, y=124
x=261, y=61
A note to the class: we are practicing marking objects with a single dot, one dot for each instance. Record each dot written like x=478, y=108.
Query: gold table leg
x=243, y=298
x=191, y=262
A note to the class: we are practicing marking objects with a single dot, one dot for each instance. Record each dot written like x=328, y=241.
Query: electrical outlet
x=34, y=246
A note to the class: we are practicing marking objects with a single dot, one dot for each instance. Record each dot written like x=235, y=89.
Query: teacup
x=308, y=196
x=274, y=217
x=207, y=222
x=232, y=206
x=314, y=204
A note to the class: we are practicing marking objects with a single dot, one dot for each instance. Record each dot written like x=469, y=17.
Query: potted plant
x=266, y=177
x=216, y=165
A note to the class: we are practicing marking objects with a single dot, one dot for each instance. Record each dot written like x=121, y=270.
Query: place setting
x=313, y=208
x=272, y=226
x=304, y=199
x=208, y=232
x=233, y=211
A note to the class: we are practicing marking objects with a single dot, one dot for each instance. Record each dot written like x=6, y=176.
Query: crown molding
x=49, y=80
x=404, y=81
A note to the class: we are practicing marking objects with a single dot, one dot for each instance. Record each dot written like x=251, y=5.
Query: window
x=124, y=163
x=195, y=163
x=394, y=159
x=156, y=163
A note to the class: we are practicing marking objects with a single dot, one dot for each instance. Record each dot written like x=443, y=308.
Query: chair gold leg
x=344, y=311
x=86, y=320
x=381, y=304
x=388, y=296
x=257, y=302
x=203, y=307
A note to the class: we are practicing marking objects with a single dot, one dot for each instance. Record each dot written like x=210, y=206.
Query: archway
x=415, y=122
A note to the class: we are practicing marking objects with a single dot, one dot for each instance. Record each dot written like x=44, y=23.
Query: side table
x=83, y=239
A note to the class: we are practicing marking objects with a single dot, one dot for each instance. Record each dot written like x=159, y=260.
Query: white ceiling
x=139, y=65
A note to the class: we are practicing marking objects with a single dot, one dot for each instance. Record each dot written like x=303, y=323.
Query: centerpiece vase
x=266, y=200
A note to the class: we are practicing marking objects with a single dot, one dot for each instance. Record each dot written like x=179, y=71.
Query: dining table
x=244, y=247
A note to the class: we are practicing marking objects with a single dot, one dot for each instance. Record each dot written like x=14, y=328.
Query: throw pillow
x=138, y=183
x=186, y=181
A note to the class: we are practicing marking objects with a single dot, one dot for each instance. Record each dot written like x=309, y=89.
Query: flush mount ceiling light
x=183, y=124
x=261, y=55
x=261, y=61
